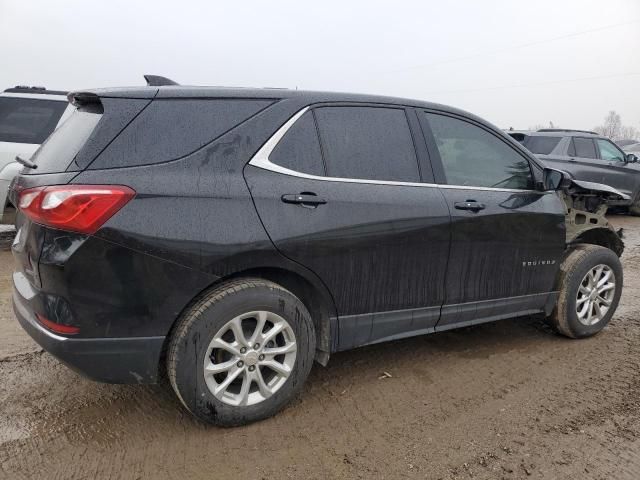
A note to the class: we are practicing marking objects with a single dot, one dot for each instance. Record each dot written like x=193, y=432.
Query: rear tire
x=217, y=364
x=590, y=285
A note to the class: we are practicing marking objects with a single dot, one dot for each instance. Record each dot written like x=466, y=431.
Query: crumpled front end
x=586, y=206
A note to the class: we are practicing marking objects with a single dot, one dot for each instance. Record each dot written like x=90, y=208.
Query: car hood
x=606, y=191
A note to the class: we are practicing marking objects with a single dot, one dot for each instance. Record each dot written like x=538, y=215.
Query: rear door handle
x=470, y=205
x=306, y=199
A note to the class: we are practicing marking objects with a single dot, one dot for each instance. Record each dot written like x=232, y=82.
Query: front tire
x=590, y=285
x=241, y=352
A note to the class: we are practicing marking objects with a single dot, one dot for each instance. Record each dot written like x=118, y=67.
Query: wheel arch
x=311, y=292
x=605, y=237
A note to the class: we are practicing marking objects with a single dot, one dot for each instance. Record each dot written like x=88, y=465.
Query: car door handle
x=470, y=205
x=306, y=199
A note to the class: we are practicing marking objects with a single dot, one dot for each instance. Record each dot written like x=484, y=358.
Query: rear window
x=28, y=120
x=518, y=136
x=60, y=149
x=542, y=145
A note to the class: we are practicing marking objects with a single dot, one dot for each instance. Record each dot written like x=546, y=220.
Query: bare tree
x=540, y=126
x=612, y=126
x=629, y=132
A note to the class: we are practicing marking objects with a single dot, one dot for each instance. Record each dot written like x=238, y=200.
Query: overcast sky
x=515, y=63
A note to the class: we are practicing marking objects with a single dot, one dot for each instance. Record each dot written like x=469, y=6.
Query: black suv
x=587, y=156
x=232, y=236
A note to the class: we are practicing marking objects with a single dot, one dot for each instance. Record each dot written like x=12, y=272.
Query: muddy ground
x=504, y=400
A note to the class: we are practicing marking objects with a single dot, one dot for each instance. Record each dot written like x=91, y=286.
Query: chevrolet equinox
x=227, y=238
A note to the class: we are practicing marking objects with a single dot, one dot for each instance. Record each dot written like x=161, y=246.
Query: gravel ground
x=7, y=232
x=504, y=400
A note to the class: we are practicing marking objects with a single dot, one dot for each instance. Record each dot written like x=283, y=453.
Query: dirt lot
x=504, y=400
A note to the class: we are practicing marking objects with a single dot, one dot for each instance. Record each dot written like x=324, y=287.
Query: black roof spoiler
x=78, y=99
x=158, y=81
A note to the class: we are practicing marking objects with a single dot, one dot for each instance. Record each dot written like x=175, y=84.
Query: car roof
x=34, y=91
x=303, y=97
x=183, y=91
x=556, y=133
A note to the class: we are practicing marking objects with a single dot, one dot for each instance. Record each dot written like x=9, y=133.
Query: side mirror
x=553, y=179
x=631, y=158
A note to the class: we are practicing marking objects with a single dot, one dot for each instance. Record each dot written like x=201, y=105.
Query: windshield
x=28, y=120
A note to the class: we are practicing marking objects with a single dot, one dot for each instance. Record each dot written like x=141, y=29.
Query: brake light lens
x=57, y=327
x=76, y=208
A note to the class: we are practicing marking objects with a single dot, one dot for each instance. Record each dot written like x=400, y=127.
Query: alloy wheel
x=250, y=358
x=595, y=294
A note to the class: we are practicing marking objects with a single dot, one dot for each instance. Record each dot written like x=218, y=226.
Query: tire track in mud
x=504, y=400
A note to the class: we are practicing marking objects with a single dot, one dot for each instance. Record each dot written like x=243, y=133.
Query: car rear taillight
x=57, y=327
x=77, y=208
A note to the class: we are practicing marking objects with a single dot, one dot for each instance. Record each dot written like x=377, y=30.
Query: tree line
x=612, y=128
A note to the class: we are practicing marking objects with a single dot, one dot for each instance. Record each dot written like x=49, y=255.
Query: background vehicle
x=239, y=234
x=632, y=148
x=588, y=156
x=28, y=115
x=626, y=142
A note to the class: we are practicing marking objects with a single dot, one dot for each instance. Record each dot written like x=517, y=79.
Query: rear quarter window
x=299, y=149
x=542, y=145
x=169, y=129
x=28, y=120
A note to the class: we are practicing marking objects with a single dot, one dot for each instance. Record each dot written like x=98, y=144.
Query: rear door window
x=471, y=156
x=371, y=143
x=28, y=120
x=584, y=147
x=299, y=149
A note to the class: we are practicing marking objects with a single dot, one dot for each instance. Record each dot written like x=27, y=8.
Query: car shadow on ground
x=354, y=370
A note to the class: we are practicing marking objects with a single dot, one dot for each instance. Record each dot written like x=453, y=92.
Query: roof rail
x=566, y=130
x=158, y=81
x=29, y=89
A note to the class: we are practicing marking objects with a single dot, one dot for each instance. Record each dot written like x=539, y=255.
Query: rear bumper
x=110, y=360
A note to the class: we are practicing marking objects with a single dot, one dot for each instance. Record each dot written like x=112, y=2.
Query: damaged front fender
x=586, y=205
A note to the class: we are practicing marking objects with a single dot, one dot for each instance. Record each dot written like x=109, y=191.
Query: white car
x=28, y=115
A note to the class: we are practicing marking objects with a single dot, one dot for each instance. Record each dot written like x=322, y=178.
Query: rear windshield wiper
x=26, y=163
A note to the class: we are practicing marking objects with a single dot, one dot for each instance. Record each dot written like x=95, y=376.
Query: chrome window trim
x=261, y=160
